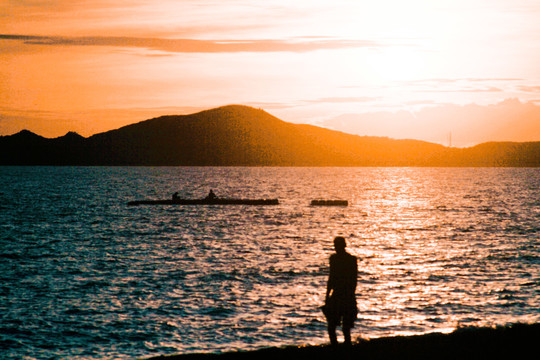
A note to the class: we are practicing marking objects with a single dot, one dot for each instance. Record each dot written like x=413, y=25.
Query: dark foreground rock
x=518, y=341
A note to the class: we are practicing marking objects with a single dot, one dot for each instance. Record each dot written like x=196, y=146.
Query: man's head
x=339, y=243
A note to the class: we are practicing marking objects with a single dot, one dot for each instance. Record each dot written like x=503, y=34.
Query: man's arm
x=330, y=283
x=355, y=274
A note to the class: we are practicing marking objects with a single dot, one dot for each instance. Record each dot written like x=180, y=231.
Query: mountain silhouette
x=238, y=135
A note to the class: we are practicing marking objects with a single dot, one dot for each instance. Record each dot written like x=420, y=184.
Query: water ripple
x=85, y=276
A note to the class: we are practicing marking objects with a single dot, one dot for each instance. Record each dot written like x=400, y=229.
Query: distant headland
x=238, y=135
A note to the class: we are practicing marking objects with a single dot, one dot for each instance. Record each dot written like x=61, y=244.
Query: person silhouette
x=211, y=195
x=340, y=301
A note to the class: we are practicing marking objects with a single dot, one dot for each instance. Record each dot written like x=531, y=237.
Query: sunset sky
x=405, y=69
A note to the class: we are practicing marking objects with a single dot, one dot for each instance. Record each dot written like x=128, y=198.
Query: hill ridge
x=239, y=135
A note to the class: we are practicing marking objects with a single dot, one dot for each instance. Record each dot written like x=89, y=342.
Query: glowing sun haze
x=92, y=66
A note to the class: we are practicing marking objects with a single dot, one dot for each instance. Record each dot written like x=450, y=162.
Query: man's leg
x=332, y=334
x=347, y=335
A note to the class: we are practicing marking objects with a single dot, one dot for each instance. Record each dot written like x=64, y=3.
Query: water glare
x=85, y=276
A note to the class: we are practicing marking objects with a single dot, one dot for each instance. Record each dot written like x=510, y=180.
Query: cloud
x=271, y=105
x=344, y=99
x=508, y=120
x=195, y=45
x=467, y=90
x=530, y=89
x=422, y=82
x=325, y=100
x=461, y=85
x=421, y=102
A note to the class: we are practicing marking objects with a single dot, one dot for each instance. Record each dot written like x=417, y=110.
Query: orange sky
x=387, y=68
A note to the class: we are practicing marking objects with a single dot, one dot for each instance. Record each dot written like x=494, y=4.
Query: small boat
x=329, y=202
x=206, y=201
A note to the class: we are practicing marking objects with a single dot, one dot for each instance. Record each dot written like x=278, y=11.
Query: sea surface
x=84, y=276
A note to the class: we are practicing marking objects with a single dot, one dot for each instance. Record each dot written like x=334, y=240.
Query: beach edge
x=513, y=341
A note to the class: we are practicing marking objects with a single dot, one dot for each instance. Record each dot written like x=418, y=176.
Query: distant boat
x=329, y=202
x=206, y=201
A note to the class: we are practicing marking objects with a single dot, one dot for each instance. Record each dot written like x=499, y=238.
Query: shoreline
x=515, y=341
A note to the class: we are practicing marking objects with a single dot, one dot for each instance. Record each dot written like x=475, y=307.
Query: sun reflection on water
x=437, y=249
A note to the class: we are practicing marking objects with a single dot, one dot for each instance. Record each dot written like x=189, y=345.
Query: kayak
x=216, y=201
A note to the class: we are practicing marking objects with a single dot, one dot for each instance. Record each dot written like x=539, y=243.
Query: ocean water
x=84, y=276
